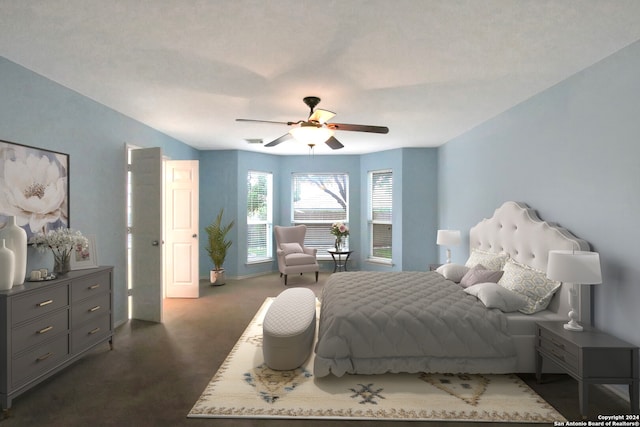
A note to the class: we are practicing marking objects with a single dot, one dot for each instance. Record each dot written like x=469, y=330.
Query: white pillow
x=530, y=283
x=493, y=295
x=291, y=248
x=453, y=272
x=490, y=260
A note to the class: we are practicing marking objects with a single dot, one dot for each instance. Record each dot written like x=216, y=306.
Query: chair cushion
x=299, y=259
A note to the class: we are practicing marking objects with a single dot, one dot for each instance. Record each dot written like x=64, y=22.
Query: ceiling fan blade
x=321, y=116
x=264, y=121
x=277, y=141
x=358, y=128
x=334, y=143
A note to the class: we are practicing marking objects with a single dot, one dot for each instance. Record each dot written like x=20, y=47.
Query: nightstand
x=591, y=357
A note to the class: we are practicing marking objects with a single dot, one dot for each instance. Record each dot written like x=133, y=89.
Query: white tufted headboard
x=517, y=230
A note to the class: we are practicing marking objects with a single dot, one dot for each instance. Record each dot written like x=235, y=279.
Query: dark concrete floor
x=156, y=372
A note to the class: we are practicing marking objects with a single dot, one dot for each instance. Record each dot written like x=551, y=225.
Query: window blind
x=381, y=213
x=259, y=215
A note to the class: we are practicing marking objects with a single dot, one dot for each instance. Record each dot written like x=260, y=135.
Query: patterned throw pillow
x=530, y=283
x=490, y=260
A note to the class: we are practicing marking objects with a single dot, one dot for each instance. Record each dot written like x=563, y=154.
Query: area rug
x=245, y=387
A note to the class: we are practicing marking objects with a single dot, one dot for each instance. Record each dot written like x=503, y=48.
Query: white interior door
x=146, y=234
x=181, y=229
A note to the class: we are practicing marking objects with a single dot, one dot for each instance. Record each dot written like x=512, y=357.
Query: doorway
x=161, y=209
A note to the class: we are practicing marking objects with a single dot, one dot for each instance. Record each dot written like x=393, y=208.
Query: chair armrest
x=310, y=251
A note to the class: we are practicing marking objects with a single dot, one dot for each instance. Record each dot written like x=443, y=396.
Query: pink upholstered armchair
x=293, y=256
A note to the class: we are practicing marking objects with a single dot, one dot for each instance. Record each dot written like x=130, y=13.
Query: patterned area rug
x=245, y=387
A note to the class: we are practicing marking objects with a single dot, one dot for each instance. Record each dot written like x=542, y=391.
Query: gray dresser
x=46, y=326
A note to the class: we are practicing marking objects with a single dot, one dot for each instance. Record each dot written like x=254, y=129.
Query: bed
x=377, y=322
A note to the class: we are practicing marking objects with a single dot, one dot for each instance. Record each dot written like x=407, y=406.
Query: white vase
x=7, y=266
x=16, y=240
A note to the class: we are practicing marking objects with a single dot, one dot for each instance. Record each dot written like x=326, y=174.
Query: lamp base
x=573, y=326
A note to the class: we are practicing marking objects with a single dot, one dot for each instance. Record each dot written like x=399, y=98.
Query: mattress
x=373, y=323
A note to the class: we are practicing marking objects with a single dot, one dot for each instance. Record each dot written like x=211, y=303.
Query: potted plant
x=217, y=247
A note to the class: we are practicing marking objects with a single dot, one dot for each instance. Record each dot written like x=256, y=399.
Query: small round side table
x=339, y=264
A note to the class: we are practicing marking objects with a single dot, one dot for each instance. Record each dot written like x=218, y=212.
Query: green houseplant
x=217, y=247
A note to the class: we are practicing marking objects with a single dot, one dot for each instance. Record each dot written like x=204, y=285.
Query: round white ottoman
x=289, y=328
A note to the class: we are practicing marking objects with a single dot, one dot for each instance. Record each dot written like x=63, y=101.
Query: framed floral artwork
x=85, y=257
x=34, y=187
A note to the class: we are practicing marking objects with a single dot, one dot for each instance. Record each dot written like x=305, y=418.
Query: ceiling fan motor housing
x=311, y=101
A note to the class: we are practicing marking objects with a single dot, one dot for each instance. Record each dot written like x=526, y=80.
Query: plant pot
x=217, y=277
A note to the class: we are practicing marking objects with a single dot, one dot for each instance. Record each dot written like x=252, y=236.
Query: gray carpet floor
x=156, y=372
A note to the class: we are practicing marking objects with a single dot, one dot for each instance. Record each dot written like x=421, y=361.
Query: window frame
x=268, y=222
x=372, y=221
x=321, y=248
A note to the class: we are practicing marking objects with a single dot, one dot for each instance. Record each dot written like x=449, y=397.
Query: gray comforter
x=372, y=323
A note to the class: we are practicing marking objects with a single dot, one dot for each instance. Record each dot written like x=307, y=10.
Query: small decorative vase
x=62, y=263
x=7, y=267
x=338, y=243
x=16, y=241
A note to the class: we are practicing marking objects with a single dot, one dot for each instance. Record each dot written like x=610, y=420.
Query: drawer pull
x=45, y=330
x=43, y=303
x=96, y=286
x=95, y=331
x=44, y=357
x=96, y=308
x=557, y=344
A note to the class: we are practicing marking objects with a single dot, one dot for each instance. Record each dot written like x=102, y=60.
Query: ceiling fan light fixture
x=311, y=134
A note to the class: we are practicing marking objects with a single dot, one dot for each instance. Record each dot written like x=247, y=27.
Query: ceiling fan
x=316, y=128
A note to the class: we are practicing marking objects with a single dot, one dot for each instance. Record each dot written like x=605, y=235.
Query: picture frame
x=87, y=258
x=34, y=187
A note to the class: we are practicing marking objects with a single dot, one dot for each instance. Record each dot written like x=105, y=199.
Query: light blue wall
x=572, y=153
x=223, y=184
x=38, y=112
x=414, y=206
x=419, y=207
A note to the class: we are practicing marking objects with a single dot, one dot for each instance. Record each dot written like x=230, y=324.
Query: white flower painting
x=34, y=187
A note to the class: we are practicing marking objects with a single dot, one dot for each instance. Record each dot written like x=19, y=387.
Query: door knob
x=195, y=236
x=155, y=243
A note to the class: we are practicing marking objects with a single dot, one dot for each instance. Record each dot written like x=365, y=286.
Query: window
x=319, y=200
x=259, y=216
x=380, y=214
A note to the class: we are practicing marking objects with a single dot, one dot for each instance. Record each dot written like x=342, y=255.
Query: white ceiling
x=430, y=70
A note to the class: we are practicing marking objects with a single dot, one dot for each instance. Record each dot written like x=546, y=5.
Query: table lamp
x=577, y=268
x=448, y=238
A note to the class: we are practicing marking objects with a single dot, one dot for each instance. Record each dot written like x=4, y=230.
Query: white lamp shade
x=580, y=267
x=448, y=238
x=311, y=134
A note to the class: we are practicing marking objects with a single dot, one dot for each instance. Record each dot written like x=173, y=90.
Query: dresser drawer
x=39, y=303
x=39, y=360
x=39, y=330
x=89, y=286
x=559, y=349
x=90, y=333
x=91, y=308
